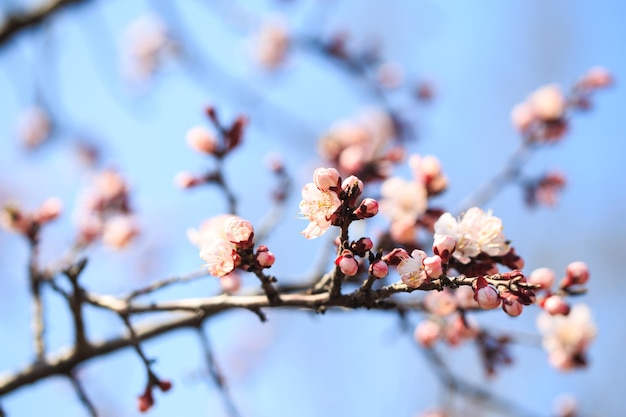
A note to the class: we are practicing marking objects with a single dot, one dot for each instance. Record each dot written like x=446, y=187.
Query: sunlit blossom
x=317, y=206
x=412, y=269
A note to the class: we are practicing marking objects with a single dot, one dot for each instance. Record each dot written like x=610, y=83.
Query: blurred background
x=478, y=58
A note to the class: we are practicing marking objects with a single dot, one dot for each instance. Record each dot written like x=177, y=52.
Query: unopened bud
x=485, y=295
x=368, y=208
x=347, y=264
x=326, y=178
x=444, y=246
x=379, y=269
x=264, y=257
x=433, y=267
x=542, y=276
x=427, y=333
x=555, y=304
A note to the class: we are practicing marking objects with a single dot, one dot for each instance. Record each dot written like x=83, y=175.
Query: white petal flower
x=318, y=206
x=475, y=232
x=411, y=269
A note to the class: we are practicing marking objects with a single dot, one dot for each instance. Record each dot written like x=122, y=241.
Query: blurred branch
x=15, y=23
x=82, y=395
x=216, y=375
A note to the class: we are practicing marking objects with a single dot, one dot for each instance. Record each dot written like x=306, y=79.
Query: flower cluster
x=542, y=117
x=329, y=201
x=227, y=242
x=104, y=212
x=361, y=146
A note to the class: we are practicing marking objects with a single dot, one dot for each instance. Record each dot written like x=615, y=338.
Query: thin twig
x=82, y=395
x=216, y=375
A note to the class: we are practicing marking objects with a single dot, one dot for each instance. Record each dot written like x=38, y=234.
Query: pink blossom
x=548, y=103
x=119, y=231
x=271, y=44
x=412, y=270
x=239, y=231
x=459, y=329
x=49, y=210
x=231, y=282
x=475, y=232
x=201, y=140
x=368, y=208
x=110, y=185
x=347, y=264
x=523, y=116
x=485, y=295
x=542, y=276
x=185, y=179
x=566, y=338
x=379, y=269
x=264, y=257
x=318, y=207
x=403, y=201
x=555, y=304
x=596, y=77
x=427, y=333
x=511, y=304
x=210, y=229
x=427, y=171
x=441, y=303
x=220, y=256
x=443, y=245
x=433, y=267
x=326, y=178
x=577, y=273
x=34, y=127
x=464, y=296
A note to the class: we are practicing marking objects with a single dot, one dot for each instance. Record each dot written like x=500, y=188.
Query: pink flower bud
x=444, y=246
x=379, y=269
x=485, y=295
x=264, y=257
x=201, y=140
x=119, y=231
x=432, y=266
x=396, y=256
x=361, y=246
x=145, y=401
x=239, y=231
x=49, y=210
x=347, y=264
x=368, y=208
x=522, y=117
x=427, y=333
x=511, y=304
x=185, y=180
x=326, y=178
x=548, y=103
x=543, y=277
x=350, y=183
x=577, y=273
x=230, y=283
x=555, y=305
x=597, y=77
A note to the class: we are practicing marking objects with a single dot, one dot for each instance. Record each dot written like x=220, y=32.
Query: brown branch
x=17, y=22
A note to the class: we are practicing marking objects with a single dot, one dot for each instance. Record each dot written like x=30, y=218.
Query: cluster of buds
x=361, y=146
x=28, y=224
x=146, y=400
x=227, y=242
x=552, y=301
x=542, y=117
x=329, y=201
x=203, y=141
x=105, y=212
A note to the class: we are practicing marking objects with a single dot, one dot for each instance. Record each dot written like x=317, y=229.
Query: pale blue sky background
x=484, y=56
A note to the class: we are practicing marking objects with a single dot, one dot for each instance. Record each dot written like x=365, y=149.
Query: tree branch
x=17, y=22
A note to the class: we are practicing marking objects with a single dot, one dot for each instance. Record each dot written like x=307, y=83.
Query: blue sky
x=484, y=57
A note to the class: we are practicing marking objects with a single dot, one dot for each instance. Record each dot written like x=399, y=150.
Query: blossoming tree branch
x=448, y=264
